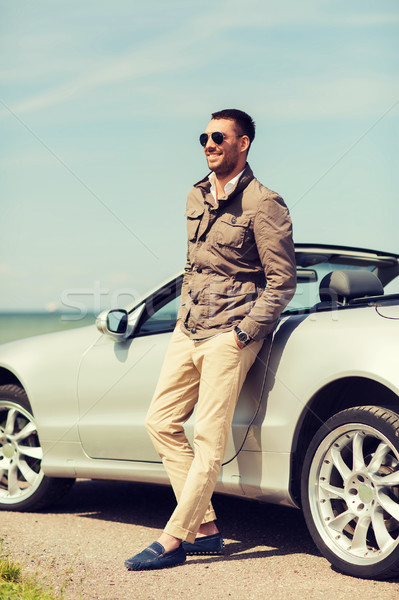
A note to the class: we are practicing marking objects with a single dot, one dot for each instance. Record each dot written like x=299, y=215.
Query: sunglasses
x=217, y=136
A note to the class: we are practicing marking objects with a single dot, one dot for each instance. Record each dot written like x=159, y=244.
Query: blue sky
x=101, y=105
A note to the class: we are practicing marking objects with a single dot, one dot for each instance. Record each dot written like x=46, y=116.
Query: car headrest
x=343, y=286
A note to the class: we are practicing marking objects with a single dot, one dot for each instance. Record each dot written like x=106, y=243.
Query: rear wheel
x=23, y=485
x=350, y=491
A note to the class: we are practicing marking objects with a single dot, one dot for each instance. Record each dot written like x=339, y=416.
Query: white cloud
x=364, y=20
x=152, y=58
x=346, y=97
x=10, y=272
x=22, y=160
x=192, y=42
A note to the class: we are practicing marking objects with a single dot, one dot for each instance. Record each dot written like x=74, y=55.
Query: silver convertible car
x=316, y=426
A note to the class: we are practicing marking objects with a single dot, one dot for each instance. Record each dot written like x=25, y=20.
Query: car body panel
x=388, y=312
x=89, y=393
x=114, y=396
x=47, y=367
x=297, y=371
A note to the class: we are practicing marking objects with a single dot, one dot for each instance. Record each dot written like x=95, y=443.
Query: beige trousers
x=208, y=374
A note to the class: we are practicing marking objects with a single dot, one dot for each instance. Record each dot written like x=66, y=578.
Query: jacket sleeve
x=273, y=238
x=182, y=312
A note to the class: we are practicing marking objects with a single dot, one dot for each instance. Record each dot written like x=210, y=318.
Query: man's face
x=225, y=157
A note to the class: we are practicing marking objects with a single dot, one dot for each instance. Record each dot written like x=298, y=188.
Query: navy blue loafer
x=155, y=557
x=207, y=544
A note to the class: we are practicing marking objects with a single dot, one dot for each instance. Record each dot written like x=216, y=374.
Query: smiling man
x=240, y=274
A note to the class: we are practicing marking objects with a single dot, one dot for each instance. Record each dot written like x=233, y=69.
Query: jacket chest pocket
x=231, y=231
x=194, y=218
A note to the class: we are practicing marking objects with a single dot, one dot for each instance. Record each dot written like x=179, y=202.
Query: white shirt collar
x=227, y=188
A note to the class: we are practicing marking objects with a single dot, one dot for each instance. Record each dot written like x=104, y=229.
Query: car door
x=117, y=380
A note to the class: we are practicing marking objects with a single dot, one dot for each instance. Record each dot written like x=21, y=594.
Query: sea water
x=18, y=325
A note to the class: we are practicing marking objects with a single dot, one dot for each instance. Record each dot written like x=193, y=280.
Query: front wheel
x=23, y=485
x=350, y=491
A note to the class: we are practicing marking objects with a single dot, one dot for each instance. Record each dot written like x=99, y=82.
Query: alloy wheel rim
x=20, y=454
x=354, y=494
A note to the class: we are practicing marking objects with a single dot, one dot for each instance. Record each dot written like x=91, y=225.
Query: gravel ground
x=81, y=544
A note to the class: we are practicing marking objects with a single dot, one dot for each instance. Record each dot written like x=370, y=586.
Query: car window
x=392, y=287
x=164, y=318
x=307, y=292
x=161, y=320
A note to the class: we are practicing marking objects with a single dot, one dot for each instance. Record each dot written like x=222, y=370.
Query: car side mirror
x=118, y=323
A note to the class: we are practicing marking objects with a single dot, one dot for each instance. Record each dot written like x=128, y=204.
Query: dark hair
x=242, y=119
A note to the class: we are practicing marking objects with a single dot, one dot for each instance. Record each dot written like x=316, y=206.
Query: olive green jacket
x=240, y=266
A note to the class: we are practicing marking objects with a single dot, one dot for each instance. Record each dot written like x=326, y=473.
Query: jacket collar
x=205, y=186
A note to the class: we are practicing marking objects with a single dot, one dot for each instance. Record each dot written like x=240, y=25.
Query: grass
x=15, y=586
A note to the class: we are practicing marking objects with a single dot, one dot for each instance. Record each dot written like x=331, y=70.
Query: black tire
x=23, y=485
x=350, y=491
